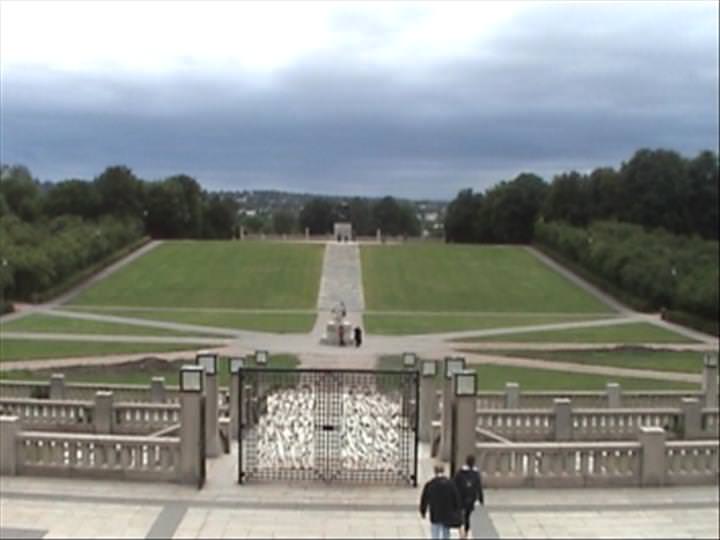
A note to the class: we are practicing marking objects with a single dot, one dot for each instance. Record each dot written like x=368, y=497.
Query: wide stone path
x=341, y=281
x=57, y=508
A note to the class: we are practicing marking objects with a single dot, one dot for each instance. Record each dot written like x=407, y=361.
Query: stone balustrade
x=101, y=456
x=691, y=462
x=518, y=424
x=588, y=464
x=620, y=424
x=581, y=464
x=582, y=399
x=156, y=392
x=99, y=416
x=139, y=417
x=43, y=414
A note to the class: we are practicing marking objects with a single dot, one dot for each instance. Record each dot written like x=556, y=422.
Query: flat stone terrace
x=54, y=508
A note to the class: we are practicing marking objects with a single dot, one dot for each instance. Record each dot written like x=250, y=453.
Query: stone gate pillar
x=192, y=460
x=428, y=400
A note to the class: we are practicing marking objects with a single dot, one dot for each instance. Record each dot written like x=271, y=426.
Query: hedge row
x=42, y=257
x=656, y=269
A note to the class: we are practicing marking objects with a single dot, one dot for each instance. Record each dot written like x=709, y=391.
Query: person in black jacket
x=442, y=496
x=469, y=485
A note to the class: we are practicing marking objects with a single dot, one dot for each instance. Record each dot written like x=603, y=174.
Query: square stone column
x=234, y=405
x=157, y=390
x=614, y=395
x=9, y=429
x=710, y=381
x=652, y=459
x=428, y=407
x=191, y=437
x=446, y=419
x=103, y=417
x=212, y=435
x=691, y=418
x=512, y=395
x=563, y=419
x=57, y=386
x=465, y=421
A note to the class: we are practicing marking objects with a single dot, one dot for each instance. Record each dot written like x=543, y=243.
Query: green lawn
x=23, y=349
x=137, y=372
x=224, y=274
x=626, y=357
x=493, y=377
x=621, y=333
x=282, y=323
x=63, y=325
x=468, y=278
x=401, y=324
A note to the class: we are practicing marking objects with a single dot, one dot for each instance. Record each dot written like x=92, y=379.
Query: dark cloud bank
x=557, y=91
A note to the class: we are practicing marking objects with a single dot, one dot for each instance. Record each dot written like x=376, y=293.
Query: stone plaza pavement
x=64, y=508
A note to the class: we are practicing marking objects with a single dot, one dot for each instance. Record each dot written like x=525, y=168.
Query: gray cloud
x=561, y=88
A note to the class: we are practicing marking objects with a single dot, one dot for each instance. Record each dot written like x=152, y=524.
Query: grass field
x=62, y=325
x=494, y=377
x=22, y=349
x=468, y=278
x=401, y=324
x=621, y=333
x=137, y=372
x=626, y=357
x=221, y=274
x=281, y=323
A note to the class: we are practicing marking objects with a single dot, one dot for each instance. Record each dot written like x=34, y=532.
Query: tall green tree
x=120, y=192
x=21, y=192
x=318, y=215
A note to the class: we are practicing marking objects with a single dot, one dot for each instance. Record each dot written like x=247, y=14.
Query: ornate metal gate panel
x=329, y=425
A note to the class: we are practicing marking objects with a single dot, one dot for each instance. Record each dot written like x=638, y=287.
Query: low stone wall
x=102, y=415
x=650, y=461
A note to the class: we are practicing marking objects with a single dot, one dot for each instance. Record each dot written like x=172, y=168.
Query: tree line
x=648, y=232
x=650, y=269
x=654, y=189
x=175, y=207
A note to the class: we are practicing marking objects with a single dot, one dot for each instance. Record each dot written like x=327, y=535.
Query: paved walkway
x=341, y=281
x=55, y=508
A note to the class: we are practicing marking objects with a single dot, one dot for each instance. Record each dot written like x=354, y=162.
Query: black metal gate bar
x=357, y=426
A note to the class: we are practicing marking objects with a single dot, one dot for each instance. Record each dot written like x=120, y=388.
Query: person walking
x=358, y=336
x=469, y=485
x=442, y=496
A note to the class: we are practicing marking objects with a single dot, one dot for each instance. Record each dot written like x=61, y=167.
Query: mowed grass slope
x=468, y=278
x=222, y=274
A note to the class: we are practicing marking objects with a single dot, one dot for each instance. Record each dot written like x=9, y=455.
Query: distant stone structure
x=343, y=232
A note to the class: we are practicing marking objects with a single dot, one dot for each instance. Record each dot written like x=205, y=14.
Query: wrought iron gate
x=330, y=425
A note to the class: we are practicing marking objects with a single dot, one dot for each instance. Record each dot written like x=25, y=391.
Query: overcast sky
x=407, y=99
